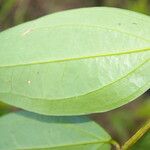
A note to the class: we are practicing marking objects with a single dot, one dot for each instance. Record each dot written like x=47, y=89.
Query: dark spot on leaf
x=134, y=23
x=119, y=24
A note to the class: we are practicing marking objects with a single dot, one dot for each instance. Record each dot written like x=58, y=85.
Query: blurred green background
x=13, y=12
x=121, y=123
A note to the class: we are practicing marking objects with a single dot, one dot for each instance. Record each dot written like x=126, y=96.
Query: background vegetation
x=121, y=123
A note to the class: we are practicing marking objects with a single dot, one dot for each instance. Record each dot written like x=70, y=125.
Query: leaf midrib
x=78, y=58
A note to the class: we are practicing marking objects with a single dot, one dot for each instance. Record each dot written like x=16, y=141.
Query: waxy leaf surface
x=28, y=131
x=76, y=62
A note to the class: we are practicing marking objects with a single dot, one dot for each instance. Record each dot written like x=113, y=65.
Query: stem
x=136, y=136
x=115, y=144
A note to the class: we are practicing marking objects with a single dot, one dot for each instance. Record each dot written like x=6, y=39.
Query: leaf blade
x=25, y=130
x=78, y=67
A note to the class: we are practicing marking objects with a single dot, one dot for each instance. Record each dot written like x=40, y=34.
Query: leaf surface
x=28, y=131
x=76, y=62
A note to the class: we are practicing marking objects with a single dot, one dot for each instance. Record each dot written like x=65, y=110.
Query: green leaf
x=28, y=131
x=76, y=62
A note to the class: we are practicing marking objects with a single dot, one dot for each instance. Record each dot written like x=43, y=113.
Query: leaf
x=27, y=131
x=143, y=143
x=76, y=62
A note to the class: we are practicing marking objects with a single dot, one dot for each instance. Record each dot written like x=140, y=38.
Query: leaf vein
x=78, y=58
